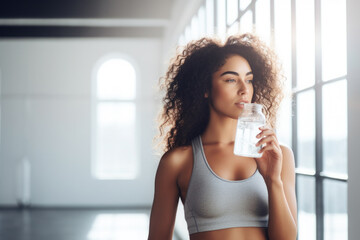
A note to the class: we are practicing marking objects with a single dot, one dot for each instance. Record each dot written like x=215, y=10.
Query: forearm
x=282, y=224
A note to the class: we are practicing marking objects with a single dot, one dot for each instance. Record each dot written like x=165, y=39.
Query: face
x=231, y=86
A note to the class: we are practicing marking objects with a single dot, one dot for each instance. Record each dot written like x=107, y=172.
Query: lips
x=240, y=104
x=242, y=101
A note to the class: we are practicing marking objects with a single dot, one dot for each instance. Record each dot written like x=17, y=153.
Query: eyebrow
x=235, y=73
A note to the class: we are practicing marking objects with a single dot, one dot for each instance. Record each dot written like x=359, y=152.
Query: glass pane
x=306, y=130
x=116, y=155
x=333, y=27
x=262, y=21
x=305, y=43
x=234, y=29
x=244, y=4
x=195, y=28
x=221, y=20
x=181, y=40
x=246, y=22
x=232, y=11
x=202, y=25
x=188, y=36
x=335, y=127
x=210, y=17
x=335, y=206
x=283, y=37
x=284, y=121
x=116, y=79
x=306, y=206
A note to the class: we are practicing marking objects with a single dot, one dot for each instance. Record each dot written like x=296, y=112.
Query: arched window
x=114, y=151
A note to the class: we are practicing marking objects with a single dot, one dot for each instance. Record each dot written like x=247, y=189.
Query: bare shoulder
x=175, y=159
x=288, y=155
x=288, y=166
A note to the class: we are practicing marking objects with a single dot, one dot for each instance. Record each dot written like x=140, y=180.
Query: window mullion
x=293, y=77
x=272, y=23
x=226, y=17
x=252, y=7
x=318, y=123
x=293, y=85
x=216, y=17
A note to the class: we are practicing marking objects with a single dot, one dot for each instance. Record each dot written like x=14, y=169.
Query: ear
x=206, y=95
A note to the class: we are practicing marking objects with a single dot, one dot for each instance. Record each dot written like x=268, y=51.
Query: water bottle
x=249, y=121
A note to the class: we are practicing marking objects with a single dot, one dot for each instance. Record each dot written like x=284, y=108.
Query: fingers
x=266, y=132
x=270, y=146
x=268, y=139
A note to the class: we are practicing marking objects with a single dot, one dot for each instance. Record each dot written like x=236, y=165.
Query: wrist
x=273, y=182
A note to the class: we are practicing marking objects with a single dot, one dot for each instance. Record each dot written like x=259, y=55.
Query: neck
x=221, y=129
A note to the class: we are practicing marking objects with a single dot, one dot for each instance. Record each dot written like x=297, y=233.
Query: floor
x=74, y=224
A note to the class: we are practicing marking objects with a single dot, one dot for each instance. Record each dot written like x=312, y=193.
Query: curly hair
x=186, y=111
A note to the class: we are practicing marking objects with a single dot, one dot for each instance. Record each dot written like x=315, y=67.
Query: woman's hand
x=270, y=164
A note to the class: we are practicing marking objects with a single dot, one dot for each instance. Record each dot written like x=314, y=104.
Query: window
x=311, y=44
x=114, y=126
x=320, y=130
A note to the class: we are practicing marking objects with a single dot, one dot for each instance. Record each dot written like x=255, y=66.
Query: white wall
x=46, y=116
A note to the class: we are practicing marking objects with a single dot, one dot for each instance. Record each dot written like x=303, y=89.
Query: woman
x=225, y=196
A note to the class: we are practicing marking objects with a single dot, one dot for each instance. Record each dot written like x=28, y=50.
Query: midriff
x=240, y=233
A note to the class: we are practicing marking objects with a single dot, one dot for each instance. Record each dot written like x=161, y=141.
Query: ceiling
x=87, y=18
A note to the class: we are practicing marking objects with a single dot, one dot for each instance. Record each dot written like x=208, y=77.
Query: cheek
x=219, y=94
x=221, y=98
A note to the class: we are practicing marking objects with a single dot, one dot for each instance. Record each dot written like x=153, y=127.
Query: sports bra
x=214, y=203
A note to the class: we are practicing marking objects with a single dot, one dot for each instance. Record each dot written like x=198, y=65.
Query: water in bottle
x=248, y=125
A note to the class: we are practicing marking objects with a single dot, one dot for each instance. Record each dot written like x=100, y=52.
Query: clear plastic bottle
x=249, y=121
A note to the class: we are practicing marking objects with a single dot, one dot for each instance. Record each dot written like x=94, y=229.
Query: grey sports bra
x=214, y=203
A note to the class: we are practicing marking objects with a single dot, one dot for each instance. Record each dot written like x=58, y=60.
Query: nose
x=243, y=89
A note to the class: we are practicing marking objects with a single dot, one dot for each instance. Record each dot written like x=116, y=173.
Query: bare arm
x=277, y=166
x=282, y=201
x=166, y=198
